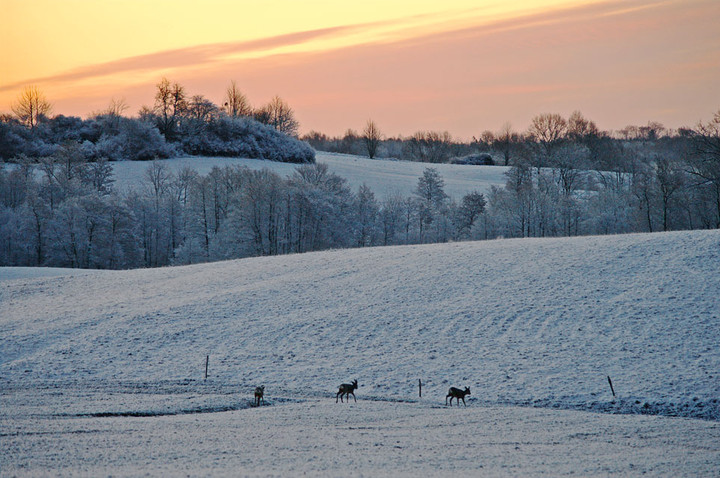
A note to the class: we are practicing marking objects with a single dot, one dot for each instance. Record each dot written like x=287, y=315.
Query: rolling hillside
x=529, y=322
x=384, y=177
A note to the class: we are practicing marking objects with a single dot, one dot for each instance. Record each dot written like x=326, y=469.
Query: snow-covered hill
x=384, y=177
x=532, y=322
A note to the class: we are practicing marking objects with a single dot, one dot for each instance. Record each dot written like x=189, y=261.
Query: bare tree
x=548, y=130
x=470, y=208
x=579, y=128
x=350, y=142
x=278, y=114
x=652, y=131
x=670, y=181
x=201, y=109
x=170, y=105
x=236, y=103
x=505, y=140
x=430, y=146
x=116, y=107
x=372, y=137
x=31, y=105
x=705, y=160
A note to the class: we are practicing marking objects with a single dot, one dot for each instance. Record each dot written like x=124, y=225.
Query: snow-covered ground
x=534, y=327
x=384, y=177
x=319, y=438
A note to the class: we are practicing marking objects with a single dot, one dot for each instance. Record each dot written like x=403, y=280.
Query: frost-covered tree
x=320, y=205
x=705, y=160
x=467, y=212
x=366, y=217
x=263, y=210
x=391, y=219
x=671, y=179
x=431, y=202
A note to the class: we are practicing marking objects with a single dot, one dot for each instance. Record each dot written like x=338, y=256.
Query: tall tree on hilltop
x=548, y=130
x=236, y=103
x=278, y=114
x=31, y=105
x=372, y=138
x=170, y=105
x=505, y=140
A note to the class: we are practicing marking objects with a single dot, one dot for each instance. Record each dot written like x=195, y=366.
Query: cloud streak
x=188, y=57
x=204, y=55
x=619, y=62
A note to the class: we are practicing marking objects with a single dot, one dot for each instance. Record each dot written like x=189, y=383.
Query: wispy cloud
x=188, y=57
x=610, y=59
x=413, y=28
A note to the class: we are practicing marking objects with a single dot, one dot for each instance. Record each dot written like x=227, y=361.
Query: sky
x=463, y=66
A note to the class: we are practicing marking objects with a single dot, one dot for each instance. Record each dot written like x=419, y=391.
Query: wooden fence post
x=611, y=387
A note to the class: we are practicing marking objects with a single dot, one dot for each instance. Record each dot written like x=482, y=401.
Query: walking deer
x=347, y=389
x=458, y=395
x=259, y=395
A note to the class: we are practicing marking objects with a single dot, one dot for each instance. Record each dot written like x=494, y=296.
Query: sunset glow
x=459, y=65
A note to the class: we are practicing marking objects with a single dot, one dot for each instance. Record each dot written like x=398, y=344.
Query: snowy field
x=384, y=177
x=102, y=372
x=370, y=438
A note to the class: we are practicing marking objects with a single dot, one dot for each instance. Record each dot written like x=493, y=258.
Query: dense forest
x=58, y=206
x=568, y=177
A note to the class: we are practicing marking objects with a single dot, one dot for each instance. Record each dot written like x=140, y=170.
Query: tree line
x=65, y=212
x=177, y=123
x=568, y=177
x=565, y=177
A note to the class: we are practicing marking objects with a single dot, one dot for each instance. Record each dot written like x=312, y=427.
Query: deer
x=347, y=389
x=458, y=395
x=259, y=395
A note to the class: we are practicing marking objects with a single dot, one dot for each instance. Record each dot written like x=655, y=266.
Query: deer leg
x=353, y=397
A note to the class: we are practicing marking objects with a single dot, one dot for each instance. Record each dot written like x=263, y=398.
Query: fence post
x=611, y=387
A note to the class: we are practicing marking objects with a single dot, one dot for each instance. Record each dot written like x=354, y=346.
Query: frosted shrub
x=244, y=137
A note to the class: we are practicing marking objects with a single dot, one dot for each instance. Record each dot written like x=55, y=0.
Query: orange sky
x=458, y=65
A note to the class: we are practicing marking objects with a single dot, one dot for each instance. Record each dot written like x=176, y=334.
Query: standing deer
x=259, y=395
x=347, y=389
x=458, y=395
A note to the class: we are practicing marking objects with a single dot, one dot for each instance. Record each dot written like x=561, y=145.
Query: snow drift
x=539, y=322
